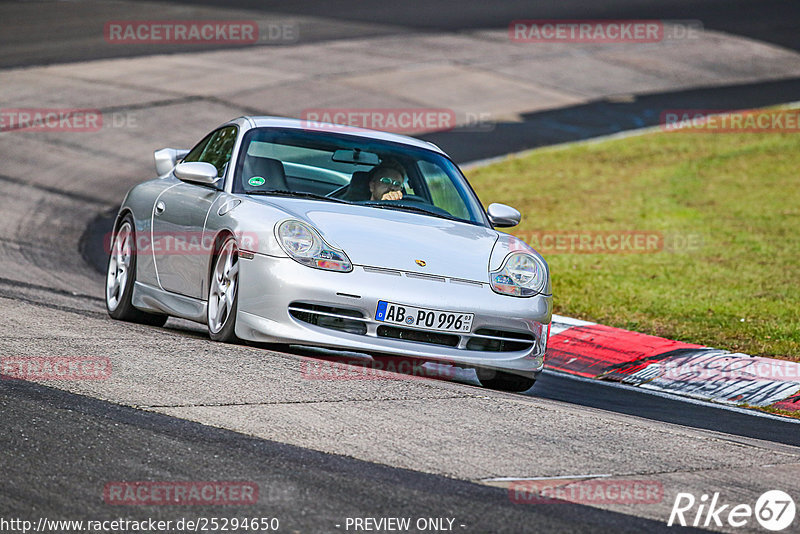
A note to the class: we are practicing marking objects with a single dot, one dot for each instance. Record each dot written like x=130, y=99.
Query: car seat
x=271, y=170
x=359, y=187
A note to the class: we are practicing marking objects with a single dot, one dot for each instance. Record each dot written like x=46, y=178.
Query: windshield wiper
x=295, y=194
x=406, y=207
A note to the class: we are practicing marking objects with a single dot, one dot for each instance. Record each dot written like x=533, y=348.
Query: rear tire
x=121, y=275
x=504, y=381
x=223, y=293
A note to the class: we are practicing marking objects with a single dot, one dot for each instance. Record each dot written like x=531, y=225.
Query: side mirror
x=502, y=216
x=197, y=172
x=167, y=158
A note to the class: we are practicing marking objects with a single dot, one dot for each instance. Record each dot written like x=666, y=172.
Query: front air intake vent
x=490, y=340
x=331, y=317
x=419, y=336
x=381, y=270
x=422, y=276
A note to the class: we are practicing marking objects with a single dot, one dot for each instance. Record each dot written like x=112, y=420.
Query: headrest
x=359, y=187
x=263, y=174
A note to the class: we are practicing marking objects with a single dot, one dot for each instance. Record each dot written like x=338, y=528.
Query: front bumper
x=273, y=289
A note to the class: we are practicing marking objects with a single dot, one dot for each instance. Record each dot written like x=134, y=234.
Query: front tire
x=223, y=293
x=121, y=275
x=503, y=381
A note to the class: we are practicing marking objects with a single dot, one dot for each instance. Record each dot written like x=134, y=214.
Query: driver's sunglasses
x=390, y=181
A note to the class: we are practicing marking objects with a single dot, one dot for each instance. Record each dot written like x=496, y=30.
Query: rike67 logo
x=774, y=510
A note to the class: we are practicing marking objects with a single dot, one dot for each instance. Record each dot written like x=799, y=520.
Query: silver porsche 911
x=280, y=231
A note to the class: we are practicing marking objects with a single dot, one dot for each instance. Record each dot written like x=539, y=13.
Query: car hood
x=395, y=239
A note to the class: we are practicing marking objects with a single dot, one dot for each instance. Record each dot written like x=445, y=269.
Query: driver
x=386, y=182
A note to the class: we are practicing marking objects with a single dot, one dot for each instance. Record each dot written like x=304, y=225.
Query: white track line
x=515, y=479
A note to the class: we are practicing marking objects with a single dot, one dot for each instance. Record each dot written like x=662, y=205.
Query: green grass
x=739, y=193
x=777, y=411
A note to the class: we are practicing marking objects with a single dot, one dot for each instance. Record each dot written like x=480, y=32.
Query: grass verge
x=719, y=211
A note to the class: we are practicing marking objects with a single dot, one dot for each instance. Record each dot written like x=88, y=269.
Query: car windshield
x=375, y=173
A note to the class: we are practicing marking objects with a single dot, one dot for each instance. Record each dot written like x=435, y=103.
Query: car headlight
x=304, y=244
x=522, y=275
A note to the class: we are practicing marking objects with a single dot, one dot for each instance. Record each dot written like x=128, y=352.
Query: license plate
x=427, y=319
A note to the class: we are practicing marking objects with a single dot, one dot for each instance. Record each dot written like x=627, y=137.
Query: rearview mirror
x=502, y=216
x=197, y=172
x=355, y=156
x=167, y=158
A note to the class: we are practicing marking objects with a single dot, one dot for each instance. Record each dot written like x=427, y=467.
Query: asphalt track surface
x=766, y=20
x=57, y=449
x=605, y=117
x=80, y=443
x=59, y=34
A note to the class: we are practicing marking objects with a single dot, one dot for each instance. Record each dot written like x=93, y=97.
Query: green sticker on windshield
x=256, y=181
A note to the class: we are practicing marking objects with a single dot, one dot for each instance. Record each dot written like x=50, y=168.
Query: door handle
x=160, y=207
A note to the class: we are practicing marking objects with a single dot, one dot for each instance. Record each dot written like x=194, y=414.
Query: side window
x=215, y=149
x=195, y=153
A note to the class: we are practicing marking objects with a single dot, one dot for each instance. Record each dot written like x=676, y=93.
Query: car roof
x=307, y=125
